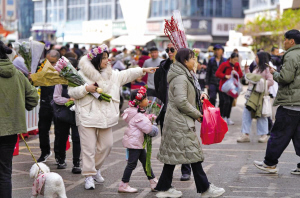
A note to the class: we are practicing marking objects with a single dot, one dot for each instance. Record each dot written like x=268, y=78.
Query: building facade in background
x=25, y=18
x=96, y=21
x=261, y=7
x=8, y=19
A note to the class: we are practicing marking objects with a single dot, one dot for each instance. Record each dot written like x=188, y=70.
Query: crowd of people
x=179, y=80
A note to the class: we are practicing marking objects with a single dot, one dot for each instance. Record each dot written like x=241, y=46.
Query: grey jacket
x=179, y=143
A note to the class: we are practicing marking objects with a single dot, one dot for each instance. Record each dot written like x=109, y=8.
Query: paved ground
x=227, y=165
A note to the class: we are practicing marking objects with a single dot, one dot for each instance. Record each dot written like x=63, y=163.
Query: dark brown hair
x=263, y=60
x=184, y=54
x=98, y=59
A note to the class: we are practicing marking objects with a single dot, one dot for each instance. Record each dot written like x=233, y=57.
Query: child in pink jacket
x=138, y=125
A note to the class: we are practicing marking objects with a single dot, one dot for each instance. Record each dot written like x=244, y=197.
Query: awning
x=132, y=40
x=204, y=38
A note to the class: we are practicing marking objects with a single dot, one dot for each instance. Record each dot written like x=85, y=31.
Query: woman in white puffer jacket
x=95, y=118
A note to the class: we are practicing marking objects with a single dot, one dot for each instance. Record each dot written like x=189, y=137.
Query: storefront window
x=194, y=8
x=38, y=12
x=209, y=8
x=228, y=7
x=219, y=8
x=162, y=8
x=119, y=14
x=76, y=10
x=55, y=11
x=100, y=9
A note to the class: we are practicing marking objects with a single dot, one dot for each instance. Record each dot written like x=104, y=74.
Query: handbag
x=232, y=86
x=267, y=107
x=63, y=113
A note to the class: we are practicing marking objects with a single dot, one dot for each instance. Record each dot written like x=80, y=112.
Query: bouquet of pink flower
x=66, y=70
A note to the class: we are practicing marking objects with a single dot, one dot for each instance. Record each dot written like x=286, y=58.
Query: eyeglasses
x=170, y=49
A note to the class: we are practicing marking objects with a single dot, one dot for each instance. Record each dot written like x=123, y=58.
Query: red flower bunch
x=138, y=98
x=131, y=103
x=141, y=93
x=142, y=90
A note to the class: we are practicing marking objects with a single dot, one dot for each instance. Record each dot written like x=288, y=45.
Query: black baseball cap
x=218, y=46
x=153, y=49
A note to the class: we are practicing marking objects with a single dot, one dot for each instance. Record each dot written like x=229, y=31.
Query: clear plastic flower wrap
x=174, y=30
x=31, y=52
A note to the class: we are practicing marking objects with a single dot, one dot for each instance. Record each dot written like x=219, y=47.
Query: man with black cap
x=154, y=61
x=212, y=82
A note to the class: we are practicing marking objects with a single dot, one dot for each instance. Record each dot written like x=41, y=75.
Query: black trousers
x=44, y=125
x=225, y=108
x=151, y=92
x=7, y=146
x=202, y=84
x=213, y=91
x=165, y=180
x=64, y=131
x=185, y=168
x=134, y=156
x=285, y=129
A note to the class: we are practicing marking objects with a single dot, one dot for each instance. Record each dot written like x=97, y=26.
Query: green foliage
x=148, y=143
x=69, y=103
x=267, y=32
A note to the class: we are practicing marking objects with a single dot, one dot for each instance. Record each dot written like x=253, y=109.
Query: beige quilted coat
x=179, y=143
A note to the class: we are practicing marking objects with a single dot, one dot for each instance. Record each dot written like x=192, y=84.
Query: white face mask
x=210, y=53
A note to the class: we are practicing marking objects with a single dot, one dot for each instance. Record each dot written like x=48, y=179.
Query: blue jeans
x=285, y=129
x=213, y=91
x=262, y=123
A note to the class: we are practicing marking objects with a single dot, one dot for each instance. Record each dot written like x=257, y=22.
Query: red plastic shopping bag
x=16, y=150
x=213, y=128
x=68, y=144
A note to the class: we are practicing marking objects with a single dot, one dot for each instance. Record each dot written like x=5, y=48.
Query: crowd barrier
x=32, y=120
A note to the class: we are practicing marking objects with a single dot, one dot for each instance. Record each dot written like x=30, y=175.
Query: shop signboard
x=222, y=26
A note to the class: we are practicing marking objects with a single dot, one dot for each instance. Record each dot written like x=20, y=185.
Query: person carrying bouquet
x=224, y=73
x=96, y=118
x=138, y=125
x=179, y=143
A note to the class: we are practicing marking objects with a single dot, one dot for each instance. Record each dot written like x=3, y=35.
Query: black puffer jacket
x=160, y=80
x=212, y=67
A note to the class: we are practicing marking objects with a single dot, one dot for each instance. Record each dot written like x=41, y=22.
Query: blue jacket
x=212, y=67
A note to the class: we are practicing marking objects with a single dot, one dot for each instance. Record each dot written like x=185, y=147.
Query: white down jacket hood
x=90, y=112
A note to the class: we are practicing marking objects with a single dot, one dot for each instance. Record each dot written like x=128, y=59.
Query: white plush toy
x=46, y=183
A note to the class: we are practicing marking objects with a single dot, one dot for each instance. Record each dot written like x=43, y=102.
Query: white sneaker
x=213, y=191
x=296, y=171
x=89, y=183
x=225, y=119
x=263, y=139
x=230, y=122
x=243, y=138
x=98, y=178
x=172, y=192
x=264, y=167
